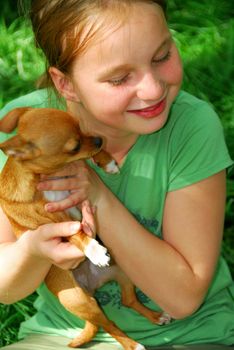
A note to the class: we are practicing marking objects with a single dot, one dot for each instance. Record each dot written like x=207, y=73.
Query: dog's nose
x=97, y=141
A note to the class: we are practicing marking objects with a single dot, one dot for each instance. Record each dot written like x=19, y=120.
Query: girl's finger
x=71, y=201
x=63, y=229
x=70, y=170
x=66, y=251
x=88, y=221
x=66, y=255
x=60, y=184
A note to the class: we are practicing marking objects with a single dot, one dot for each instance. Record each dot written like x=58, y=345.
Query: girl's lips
x=150, y=112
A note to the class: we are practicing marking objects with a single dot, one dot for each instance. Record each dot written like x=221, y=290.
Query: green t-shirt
x=189, y=148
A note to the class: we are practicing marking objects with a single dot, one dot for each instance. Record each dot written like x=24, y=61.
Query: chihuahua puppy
x=41, y=148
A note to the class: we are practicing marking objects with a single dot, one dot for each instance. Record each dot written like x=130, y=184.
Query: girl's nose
x=150, y=88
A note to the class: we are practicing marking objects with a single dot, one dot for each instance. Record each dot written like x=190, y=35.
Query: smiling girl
x=118, y=69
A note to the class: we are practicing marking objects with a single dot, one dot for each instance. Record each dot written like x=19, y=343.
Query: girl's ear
x=63, y=84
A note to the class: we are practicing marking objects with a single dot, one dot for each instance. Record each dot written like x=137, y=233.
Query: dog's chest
x=55, y=196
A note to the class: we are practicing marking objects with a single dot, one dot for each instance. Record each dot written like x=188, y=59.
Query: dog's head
x=47, y=139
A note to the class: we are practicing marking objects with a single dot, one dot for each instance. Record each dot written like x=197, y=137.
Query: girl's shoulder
x=43, y=98
x=192, y=118
x=192, y=109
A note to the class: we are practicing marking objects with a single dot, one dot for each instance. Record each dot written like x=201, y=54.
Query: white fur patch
x=112, y=168
x=54, y=196
x=165, y=318
x=97, y=254
x=74, y=213
x=140, y=347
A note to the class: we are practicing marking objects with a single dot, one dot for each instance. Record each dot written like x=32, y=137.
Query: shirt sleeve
x=197, y=148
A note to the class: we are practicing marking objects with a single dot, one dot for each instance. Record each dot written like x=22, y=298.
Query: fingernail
x=75, y=227
x=94, y=208
x=49, y=207
x=40, y=187
x=89, y=210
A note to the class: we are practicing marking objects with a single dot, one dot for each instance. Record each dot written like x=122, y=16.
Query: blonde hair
x=64, y=29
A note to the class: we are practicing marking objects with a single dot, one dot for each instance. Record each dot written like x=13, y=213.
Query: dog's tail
x=10, y=121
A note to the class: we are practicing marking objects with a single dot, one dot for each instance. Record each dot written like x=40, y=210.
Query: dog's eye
x=77, y=147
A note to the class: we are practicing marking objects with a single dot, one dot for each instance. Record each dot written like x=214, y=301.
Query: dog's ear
x=10, y=121
x=18, y=148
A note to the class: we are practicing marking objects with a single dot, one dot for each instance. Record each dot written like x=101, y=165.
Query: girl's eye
x=118, y=81
x=121, y=81
x=163, y=59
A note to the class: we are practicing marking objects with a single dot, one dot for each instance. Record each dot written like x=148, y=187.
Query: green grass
x=204, y=32
x=11, y=316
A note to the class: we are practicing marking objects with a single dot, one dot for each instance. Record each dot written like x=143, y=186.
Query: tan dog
x=47, y=140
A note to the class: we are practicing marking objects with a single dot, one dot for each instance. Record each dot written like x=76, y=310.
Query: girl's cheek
x=176, y=69
x=117, y=99
x=172, y=72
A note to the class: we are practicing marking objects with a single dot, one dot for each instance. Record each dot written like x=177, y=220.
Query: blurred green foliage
x=20, y=63
x=204, y=33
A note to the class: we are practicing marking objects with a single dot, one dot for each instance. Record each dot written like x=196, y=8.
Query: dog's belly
x=54, y=196
x=90, y=277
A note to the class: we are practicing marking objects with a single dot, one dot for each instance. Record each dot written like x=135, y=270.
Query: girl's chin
x=149, y=126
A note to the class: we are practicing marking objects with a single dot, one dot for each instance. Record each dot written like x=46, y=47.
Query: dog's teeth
x=97, y=254
x=112, y=168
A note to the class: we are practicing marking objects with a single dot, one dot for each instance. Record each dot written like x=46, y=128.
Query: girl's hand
x=77, y=178
x=47, y=242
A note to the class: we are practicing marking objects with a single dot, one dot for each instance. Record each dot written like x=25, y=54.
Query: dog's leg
x=91, y=329
x=94, y=318
x=80, y=303
x=10, y=120
x=104, y=161
x=85, y=336
x=63, y=285
x=94, y=251
x=122, y=338
x=130, y=300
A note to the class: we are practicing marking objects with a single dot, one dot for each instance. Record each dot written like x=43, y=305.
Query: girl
x=119, y=72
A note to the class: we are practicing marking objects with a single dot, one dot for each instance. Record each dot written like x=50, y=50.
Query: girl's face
x=126, y=83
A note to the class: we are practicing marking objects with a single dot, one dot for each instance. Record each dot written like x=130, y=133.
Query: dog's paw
x=139, y=347
x=164, y=318
x=97, y=254
x=112, y=167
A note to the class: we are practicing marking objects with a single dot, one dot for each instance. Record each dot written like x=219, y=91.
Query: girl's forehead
x=133, y=35
x=136, y=11
x=102, y=25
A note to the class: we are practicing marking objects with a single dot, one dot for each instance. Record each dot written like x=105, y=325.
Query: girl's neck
x=118, y=147
x=116, y=142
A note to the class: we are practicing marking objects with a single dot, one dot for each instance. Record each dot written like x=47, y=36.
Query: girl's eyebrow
x=114, y=71
x=119, y=69
x=165, y=42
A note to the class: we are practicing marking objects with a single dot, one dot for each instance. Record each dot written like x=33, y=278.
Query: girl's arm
x=177, y=271
x=25, y=263
x=20, y=273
